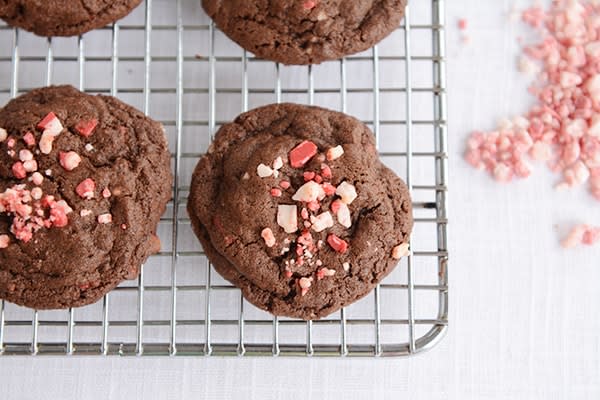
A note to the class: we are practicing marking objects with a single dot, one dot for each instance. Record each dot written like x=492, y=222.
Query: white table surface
x=525, y=315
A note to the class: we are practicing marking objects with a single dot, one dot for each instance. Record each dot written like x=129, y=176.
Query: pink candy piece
x=29, y=139
x=86, y=189
x=309, y=4
x=302, y=153
x=86, y=128
x=104, y=218
x=69, y=160
x=106, y=193
x=4, y=241
x=269, y=237
x=18, y=170
x=336, y=243
x=284, y=185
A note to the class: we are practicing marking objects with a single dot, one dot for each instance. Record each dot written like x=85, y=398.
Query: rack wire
x=171, y=62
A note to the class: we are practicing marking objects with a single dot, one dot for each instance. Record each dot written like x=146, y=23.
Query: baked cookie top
x=292, y=204
x=306, y=31
x=64, y=17
x=83, y=182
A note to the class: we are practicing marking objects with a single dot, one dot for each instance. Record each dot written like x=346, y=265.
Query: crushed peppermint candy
x=18, y=170
x=287, y=217
x=324, y=272
x=346, y=266
x=105, y=218
x=276, y=192
x=278, y=163
x=85, y=213
x=321, y=222
x=25, y=155
x=4, y=241
x=29, y=139
x=264, y=171
x=284, y=185
x=89, y=147
x=334, y=153
x=581, y=234
x=336, y=243
x=309, y=192
x=3, y=135
x=106, y=193
x=563, y=128
x=269, y=237
x=86, y=189
x=302, y=154
x=69, y=160
x=343, y=215
x=37, y=178
x=347, y=192
x=86, y=128
x=400, y=251
x=305, y=284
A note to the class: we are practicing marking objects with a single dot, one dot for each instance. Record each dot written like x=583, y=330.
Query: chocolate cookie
x=306, y=31
x=64, y=17
x=292, y=204
x=83, y=182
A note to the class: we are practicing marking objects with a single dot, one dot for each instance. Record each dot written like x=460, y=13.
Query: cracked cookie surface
x=81, y=217
x=292, y=204
x=306, y=31
x=64, y=17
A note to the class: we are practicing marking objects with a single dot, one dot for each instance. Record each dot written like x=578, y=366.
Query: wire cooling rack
x=167, y=59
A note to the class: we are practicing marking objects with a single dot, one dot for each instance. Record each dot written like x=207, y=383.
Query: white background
x=525, y=315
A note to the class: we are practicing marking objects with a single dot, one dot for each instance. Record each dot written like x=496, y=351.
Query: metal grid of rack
x=169, y=60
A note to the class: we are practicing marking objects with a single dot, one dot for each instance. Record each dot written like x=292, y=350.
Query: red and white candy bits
x=70, y=160
x=302, y=154
x=563, y=128
x=86, y=189
x=87, y=127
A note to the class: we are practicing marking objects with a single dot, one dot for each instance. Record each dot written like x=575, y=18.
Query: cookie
x=292, y=205
x=64, y=17
x=83, y=182
x=305, y=31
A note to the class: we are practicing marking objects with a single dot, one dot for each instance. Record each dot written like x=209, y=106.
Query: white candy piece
x=267, y=235
x=347, y=192
x=595, y=126
x=346, y=266
x=278, y=163
x=343, y=216
x=46, y=142
x=54, y=127
x=287, y=217
x=36, y=193
x=335, y=152
x=264, y=171
x=310, y=191
x=402, y=250
x=321, y=222
x=89, y=147
x=3, y=135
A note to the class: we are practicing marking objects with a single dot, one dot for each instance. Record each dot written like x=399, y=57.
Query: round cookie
x=292, y=204
x=83, y=182
x=305, y=31
x=64, y=17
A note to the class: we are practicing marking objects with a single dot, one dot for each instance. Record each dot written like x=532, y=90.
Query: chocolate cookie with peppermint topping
x=292, y=205
x=306, y=31
x=83, y=182
x=64, y=17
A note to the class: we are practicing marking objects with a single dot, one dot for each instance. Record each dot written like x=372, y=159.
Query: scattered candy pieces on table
x=563, y=128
